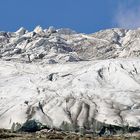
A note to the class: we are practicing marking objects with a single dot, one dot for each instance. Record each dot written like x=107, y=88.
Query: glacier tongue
x=60, y=77
x=76, y=93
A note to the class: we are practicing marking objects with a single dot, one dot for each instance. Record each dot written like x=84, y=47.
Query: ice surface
x=60, y=76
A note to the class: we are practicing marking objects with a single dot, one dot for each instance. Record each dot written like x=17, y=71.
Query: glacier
x=59, y=76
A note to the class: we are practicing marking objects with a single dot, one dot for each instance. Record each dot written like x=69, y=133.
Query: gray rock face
x=71, y=81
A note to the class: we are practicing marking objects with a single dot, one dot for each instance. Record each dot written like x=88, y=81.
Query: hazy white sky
x=127, y=14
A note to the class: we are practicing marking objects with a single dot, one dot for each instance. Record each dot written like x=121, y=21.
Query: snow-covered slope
x=61, y=78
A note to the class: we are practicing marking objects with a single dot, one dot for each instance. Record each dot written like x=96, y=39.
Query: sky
x=86, y=16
